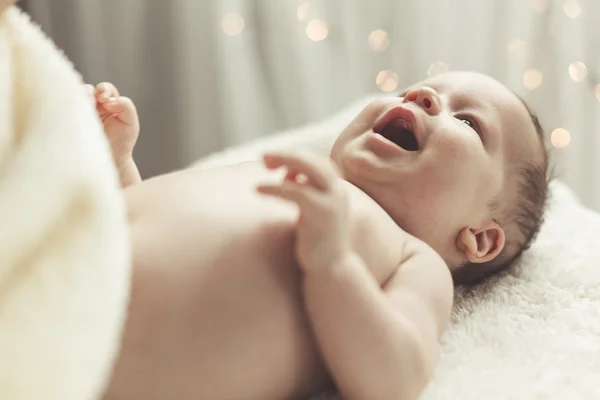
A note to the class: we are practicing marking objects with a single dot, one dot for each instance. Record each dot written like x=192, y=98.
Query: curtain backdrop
x=213, y=73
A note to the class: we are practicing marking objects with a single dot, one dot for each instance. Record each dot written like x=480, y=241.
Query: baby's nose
x=426, y=98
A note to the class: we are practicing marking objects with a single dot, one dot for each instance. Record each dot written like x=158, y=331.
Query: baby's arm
x=121, y=126
x=378, y=343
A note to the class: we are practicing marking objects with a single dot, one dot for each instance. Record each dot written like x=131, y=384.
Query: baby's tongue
x=401, y=133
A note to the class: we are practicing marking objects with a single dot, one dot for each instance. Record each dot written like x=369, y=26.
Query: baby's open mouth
x=401, y=133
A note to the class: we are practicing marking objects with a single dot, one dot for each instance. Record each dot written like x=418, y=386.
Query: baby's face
x=438, y=155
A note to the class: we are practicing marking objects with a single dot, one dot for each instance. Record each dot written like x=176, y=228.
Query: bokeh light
x=572, y=8
x=387, y=80
x=597, y=91
x=317, y=30
x=233, y=24
x=560, y=138
x=379, y=40
x=578, y=71
x=539, y=5
x=438, y=67
x=532, y=79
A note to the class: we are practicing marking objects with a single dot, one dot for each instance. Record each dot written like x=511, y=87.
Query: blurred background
x=208, y=74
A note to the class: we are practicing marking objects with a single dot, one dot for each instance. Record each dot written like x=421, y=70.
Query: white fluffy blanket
x=532, y=333
x=64, y=260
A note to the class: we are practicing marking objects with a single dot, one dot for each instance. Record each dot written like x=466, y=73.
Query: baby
x=274, y=280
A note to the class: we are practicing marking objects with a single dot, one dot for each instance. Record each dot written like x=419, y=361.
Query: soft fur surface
x=64, y=258
x=530, y=333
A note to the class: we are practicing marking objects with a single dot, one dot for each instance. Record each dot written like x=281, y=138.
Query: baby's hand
x=314, y=184
x=120, y=120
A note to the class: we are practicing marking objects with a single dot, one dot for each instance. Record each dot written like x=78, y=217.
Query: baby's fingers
x=299, y=194
x=123, y=108
x=318, y=170
x=105, y=91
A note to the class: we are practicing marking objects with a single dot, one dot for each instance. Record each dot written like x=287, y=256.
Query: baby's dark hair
x=524, y=221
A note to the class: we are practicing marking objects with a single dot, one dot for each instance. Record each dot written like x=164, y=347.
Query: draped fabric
x=209, y=74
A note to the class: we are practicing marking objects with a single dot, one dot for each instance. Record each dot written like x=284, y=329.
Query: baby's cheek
x=457, y=146
x=452, y=160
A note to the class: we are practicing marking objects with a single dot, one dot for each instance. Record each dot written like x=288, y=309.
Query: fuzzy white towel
x=532, y=333
x=64, y=258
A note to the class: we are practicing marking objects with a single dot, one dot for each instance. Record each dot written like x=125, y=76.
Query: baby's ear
x=482, y=244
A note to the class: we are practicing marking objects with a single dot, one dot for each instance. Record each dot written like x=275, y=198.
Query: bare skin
x=121, y=125
x=268, y=283
x=240, y=295
x=224, y=316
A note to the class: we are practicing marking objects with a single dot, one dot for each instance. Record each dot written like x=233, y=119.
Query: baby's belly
x=216, y=310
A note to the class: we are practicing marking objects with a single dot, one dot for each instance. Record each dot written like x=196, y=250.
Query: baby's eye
x=471, y=123
x=467, y=121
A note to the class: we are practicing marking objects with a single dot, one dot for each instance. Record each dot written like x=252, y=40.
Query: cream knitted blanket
x=64, y=260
